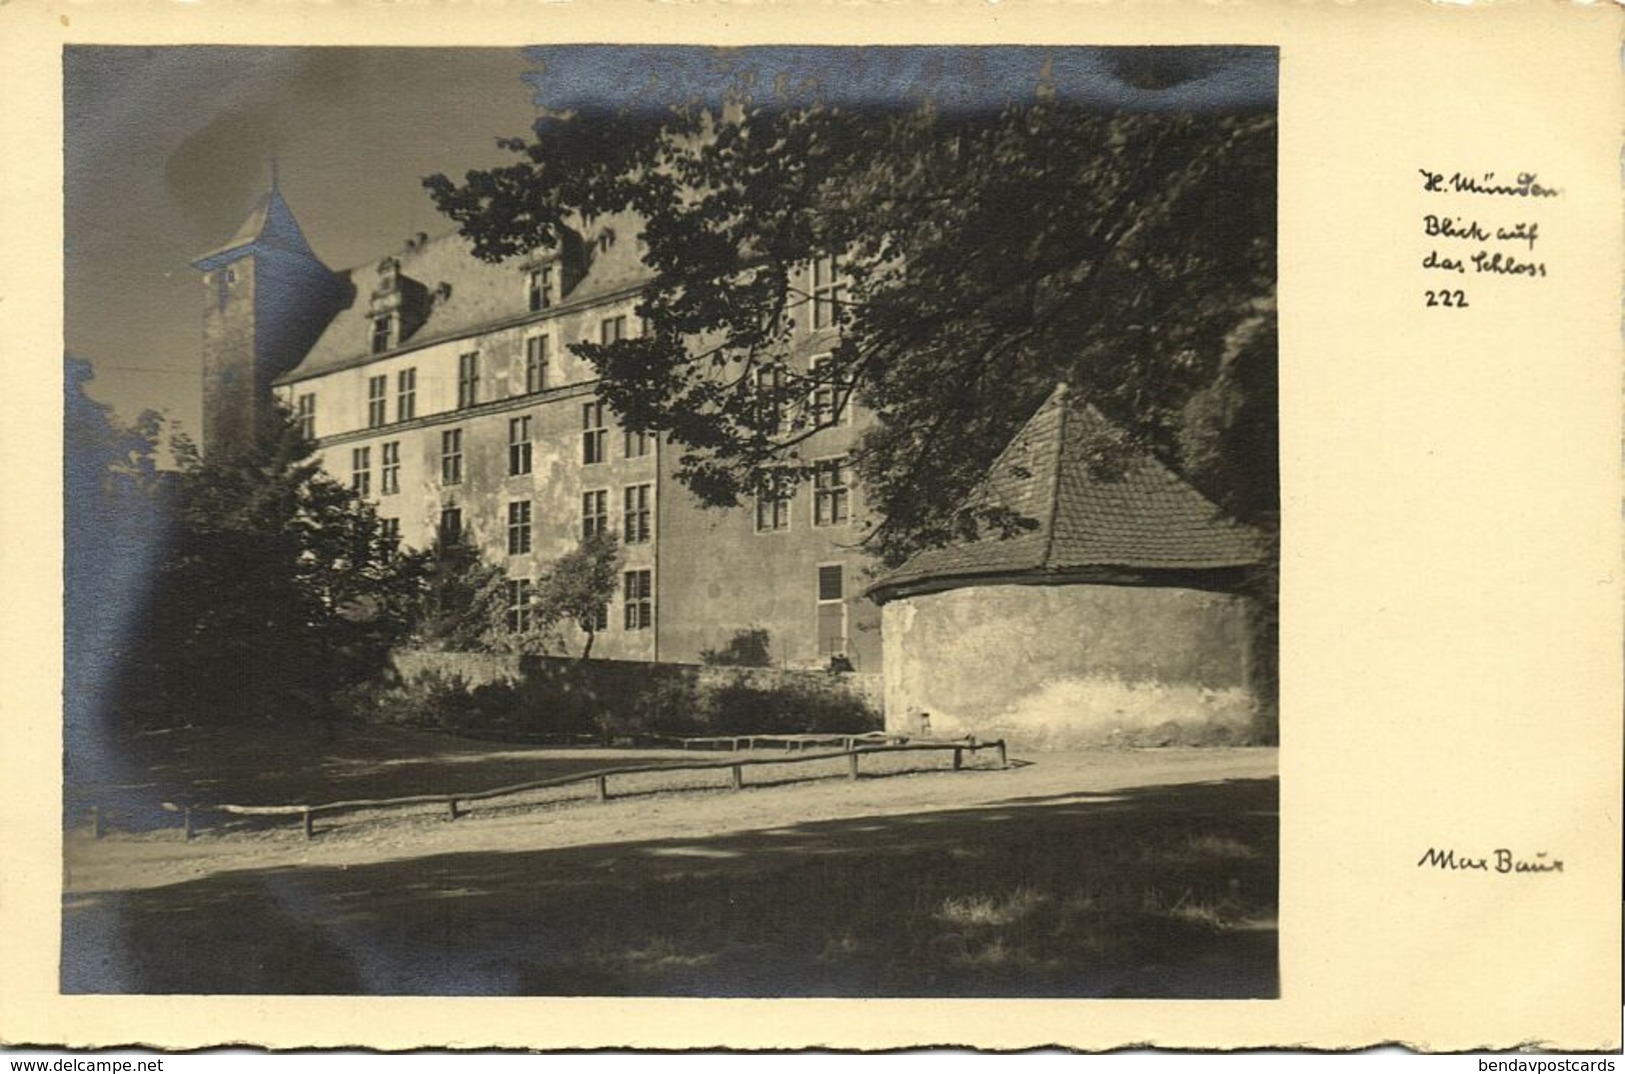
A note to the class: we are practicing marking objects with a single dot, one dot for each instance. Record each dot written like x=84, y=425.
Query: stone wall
x=552, y=695
x=1070, y=666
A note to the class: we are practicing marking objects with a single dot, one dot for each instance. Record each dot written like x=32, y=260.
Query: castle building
x=443, y=389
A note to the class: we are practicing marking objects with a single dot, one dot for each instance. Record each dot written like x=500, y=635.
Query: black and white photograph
x=671, y=521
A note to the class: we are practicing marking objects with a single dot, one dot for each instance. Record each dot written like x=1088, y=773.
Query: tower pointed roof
x=1140, y=517
x=270, y=226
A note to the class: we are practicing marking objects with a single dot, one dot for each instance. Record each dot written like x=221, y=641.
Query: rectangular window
x=594, y=512
x=518, y=527
x=635, y=529
x=832, y=492
x=377, y=400
x=383, y=333
x=769, y=399
x=773, y=498
x=451, y=457
x=539, y=287
x=519, y=445
x=638, y=592
x=361, y=470
x=389, y=478
x=535, y=364
x=305, y=416
x=828, y=294
x=831, y=610
x=468, y=379
x=611, y=330
x=451, y=524
x=406, y=395
x=827, y=404
x=519, y=605
x=390, y=530
x=594, y=433
x=638, y=444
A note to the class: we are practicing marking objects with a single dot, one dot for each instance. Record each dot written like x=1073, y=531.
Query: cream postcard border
x=1451, y=647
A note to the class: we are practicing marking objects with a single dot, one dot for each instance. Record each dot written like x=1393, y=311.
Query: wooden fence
x=599, y=777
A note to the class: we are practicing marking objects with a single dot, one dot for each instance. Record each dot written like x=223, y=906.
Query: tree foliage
x=578, y=586
x=275, y=590
x=463, y=601
x=986, y=257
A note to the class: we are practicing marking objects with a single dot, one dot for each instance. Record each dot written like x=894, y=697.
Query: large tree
x=275, y=591
x=986, y=255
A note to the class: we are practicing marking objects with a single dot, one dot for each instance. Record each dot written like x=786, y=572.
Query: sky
x=167, y=149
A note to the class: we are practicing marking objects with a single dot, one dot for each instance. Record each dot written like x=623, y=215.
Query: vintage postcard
x=735, y=531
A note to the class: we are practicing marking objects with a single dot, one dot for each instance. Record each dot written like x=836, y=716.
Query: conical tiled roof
x=1140, y=517
x=270, y=225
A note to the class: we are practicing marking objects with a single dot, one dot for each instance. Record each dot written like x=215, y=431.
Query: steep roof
x=270, y=225
x=1141, y=516
x=471, y=294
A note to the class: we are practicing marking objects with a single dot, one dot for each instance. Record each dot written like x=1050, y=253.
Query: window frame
x=539, y=287
x=519, y=527
x=821, y=603
x=826, y=292
x=451, y=456
x=450, y=513
x=406, y=394
x=594, y=437
x=537, y=359
x=520, y=441
x=834, y=494
x=837, y=411
x=637, y=519
x=520, y=597
x=305, y=415
x=378, y=401
x=468, y=380
x=594, y=512
x=389, y=474
x=782, y=503
x=637, y=599
x=383, y=339
x=361, y=470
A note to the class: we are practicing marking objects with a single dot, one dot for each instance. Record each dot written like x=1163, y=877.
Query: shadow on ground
x=1166, y=891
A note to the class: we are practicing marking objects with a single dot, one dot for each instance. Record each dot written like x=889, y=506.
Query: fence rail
x=599, y=777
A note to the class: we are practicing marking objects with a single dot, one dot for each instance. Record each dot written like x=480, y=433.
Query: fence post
x=738, y=774
x=959, y=758
x=451, y=809
x=96, y=821
x=1004, y=759
x=852, y=763
x=603, y=788
x=186, y=822
x=310, y=825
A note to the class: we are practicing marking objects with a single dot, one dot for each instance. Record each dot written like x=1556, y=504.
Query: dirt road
x=159, y=858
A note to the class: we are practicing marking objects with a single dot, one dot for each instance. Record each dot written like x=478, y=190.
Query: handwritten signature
x=1500, y=860
x=1524, y=186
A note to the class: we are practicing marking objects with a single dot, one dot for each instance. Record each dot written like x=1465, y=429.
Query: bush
x=746, y=649
x=787, y=708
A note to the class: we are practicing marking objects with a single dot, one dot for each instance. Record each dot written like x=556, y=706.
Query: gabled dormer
x=398, y=307
x=549, y=276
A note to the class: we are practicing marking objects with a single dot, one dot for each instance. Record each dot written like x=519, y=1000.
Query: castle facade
x=444, y=390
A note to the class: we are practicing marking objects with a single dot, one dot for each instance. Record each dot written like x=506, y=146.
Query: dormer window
x=540, y=284
x=383, y=333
